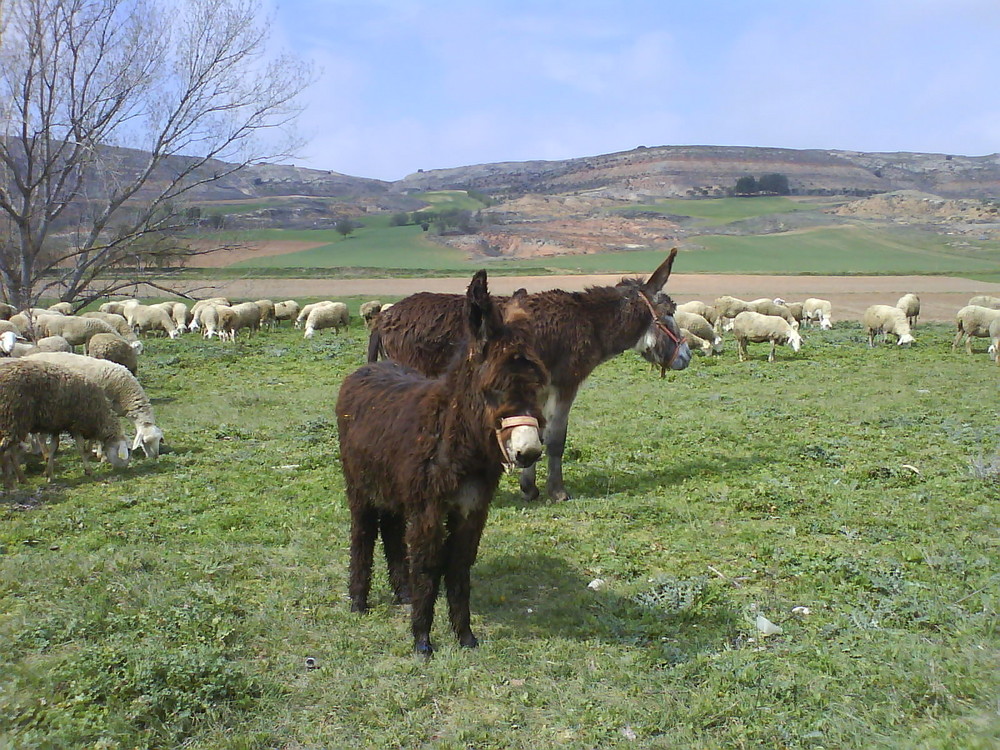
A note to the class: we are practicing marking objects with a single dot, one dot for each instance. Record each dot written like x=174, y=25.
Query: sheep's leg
x=463, y=545
x=741, y=350
x=968, y=344
x=50, y=448
x=425, y=542
x=364, y=528
x=770, y=357
x=393, y=526
x=81, y=445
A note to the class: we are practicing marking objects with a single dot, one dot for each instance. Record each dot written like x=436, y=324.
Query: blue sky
x=408, y=84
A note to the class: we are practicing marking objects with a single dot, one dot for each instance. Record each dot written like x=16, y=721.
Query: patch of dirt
x=940, y=297
x=228, y=256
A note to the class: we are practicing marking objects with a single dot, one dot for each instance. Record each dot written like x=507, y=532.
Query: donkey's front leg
x=463, y=546
x=425, y=541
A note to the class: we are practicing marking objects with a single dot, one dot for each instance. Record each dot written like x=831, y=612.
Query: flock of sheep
x=47, y=389
x=43, y=382
x=777, y=322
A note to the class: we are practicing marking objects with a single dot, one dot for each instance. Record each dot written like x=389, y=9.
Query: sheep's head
x=7, y=341
x=905, y=340
x=148, y=437
x=116, y=452
x=794, y=340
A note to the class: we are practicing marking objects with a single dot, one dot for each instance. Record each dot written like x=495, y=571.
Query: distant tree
x=746, y=185
x=773, y=184
x=345, y=227
x=400, y=219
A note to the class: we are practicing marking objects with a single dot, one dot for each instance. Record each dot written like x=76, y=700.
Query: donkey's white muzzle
x=520, y=441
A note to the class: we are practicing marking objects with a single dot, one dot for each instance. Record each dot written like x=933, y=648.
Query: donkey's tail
x=375, y=349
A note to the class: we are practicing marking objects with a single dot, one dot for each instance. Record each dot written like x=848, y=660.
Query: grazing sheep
x=118, y=308
x=266, y=307
x=195, y=313
x=694, y=342
x=114, y=348
x=795, y=308
x=6, y=311
x=42, y=397
x=248, y=316
x=122, y=389
x=756, y=327
x=121, y=326
x=816, y=310
x=287, y=310
x=985, y=300
x=6, y=325
x=76, y=330
x=306, y=309
x=177, y=311
x=150, y=319
x=11, y=347
x=227, y=324
x=698, y=307
x=727, y=308
x=333, y=316
x=701, y=328
x=886, y=319
x=368, y=311
x=910, y=305
x=766, y=306
x=209, y=318
x=973, y=321
x=61, y=308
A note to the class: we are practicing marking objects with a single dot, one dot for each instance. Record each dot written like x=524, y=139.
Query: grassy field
x=718, y=211
x=174, y=603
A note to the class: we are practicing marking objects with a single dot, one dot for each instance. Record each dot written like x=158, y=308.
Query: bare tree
x=111, y=112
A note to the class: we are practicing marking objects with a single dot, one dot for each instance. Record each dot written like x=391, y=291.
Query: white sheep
x=114, y=348
x=886, y=319
x=178, y=313
x=287, y=310
x=118, y=308
x=150, y=319
x=195, y=313
x=122, y=389
x=11, y=347
x=708, y=339
x=767, y=306
x=368, y=311
x=752, y=326
x=121, y=326
x=973, y=321
x=266, y=312
x=816, y=310
x=985, y=300
x=61, y=308
x=727, y=308
x=910, y=305
x=698, y=307
x=300, y=319
x=46, y=398
x=247, y=316
x=76, y=330
x=333, y=316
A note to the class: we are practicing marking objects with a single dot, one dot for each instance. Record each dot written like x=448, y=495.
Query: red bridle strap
x=678, y=340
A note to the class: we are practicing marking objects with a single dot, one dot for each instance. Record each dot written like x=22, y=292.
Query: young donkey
x=423, y=456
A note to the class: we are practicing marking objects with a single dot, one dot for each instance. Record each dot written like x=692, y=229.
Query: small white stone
x=801, y=611
x=598, y=584
x=766, y=627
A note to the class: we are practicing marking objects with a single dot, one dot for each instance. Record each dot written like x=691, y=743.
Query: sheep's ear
x=660, y=275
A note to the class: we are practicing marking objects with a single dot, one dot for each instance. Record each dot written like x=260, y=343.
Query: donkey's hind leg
x=364, y=530
x=393, y=527
x=557, y=416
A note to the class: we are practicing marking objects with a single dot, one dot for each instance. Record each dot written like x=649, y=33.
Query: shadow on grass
x=585, y=480
x=540, y=596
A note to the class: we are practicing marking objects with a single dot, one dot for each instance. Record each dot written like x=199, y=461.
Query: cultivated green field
x=174, y=603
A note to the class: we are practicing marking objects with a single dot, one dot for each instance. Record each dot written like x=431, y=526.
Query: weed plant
x=175, y=603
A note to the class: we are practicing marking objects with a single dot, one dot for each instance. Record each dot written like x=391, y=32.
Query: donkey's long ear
x=660, y=275
x=480, y=311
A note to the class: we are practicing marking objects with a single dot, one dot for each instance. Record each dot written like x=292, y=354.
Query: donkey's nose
x=525, y=457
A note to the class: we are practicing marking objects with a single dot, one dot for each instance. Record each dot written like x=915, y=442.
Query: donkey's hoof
x=530, y=494
x=468, y=641
x=361, y=607
x=423, y=649
x=560, y=495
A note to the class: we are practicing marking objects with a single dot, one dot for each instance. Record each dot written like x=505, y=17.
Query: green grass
x=718, y=211
x=175, y=602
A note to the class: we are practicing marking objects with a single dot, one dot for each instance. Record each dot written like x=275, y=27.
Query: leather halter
x=509, y=423
x=664, y=329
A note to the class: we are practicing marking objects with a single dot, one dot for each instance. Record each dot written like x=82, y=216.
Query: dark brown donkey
x=574, y=333
x=422, y=458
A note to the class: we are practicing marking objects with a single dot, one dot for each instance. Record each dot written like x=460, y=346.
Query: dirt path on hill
x=940, y=296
